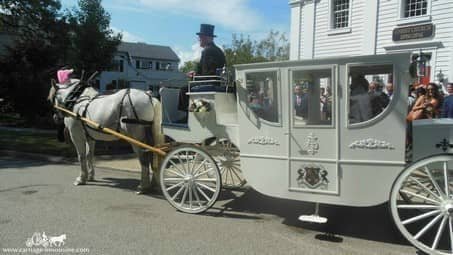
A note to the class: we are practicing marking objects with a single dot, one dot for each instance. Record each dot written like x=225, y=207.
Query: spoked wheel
x=421, y=203
x=227, y=157
x=190, y=179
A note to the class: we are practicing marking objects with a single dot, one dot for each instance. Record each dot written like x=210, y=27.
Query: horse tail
x=158, y=136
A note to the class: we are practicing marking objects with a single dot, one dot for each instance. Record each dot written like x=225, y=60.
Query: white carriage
x=335, y=152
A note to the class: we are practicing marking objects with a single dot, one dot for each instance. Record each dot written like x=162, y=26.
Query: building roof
x=144, y=50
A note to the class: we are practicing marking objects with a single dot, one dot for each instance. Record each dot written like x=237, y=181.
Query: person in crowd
x=323, y=99
x=389, y=90
x=379, y=100
x=359, y=104
x=328, y=104
x=447, y=106
x=417, y=110
x=300, y=101
x=434, y=101
x=427, y=104
x=412, y=97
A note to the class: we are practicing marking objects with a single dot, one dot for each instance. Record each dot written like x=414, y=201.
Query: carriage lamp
x=421, y=63
x=440, y=76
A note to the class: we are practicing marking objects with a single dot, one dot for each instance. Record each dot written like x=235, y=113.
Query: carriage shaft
x=128, y=139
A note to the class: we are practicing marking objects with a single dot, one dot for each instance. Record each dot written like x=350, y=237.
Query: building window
x=137, y=64
x=150, y=64
x=116, y=66
x=122, y=84
x=340, y=13
x=413, y=8
x=120, y=66
x=157, y=65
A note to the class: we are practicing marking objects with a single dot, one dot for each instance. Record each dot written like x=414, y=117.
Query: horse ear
x=53, y=83
x=52, y=91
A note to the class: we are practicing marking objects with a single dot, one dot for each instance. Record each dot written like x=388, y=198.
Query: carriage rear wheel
x=227, y=156
x=190, y=179
x=421, y=204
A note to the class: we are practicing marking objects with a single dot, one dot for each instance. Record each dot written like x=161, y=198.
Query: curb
x=55, y=159
x=37, y=156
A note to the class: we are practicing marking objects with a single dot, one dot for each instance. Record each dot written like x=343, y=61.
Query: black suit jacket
x=302, y=108
x=212, y=57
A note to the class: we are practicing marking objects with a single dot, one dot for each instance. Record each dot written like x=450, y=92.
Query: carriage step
x=313, y=219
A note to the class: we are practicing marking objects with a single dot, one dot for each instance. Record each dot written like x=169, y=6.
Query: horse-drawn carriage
x=340, y=150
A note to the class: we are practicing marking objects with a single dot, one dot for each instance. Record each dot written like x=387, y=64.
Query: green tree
x=274, y=47
x=94, y=43
x=46, y=38
x=188, y=66
x=40, y=43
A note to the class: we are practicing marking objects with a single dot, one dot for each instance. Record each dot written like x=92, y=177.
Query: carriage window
x=262, y=94
x=370, y=91
x=312, y=97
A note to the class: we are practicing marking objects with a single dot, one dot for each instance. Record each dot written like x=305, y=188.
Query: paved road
x=108, y=218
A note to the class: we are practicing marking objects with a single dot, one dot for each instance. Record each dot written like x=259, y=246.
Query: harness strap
x=132, y=105
x=84, y=114
x=73, y=96
x=121, y=110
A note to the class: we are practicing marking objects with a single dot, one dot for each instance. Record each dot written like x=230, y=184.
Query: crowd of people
x=367, y=99
x=428, y=102
x=301, y=99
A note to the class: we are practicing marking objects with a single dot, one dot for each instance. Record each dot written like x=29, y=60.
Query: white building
x=328, y=28
x=143, y=66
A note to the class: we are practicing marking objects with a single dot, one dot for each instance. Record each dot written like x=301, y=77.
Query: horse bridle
x=72, y=96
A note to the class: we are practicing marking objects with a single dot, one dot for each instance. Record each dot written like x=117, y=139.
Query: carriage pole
x=112, y=132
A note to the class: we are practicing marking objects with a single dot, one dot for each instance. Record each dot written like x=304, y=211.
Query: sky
x=174, y=23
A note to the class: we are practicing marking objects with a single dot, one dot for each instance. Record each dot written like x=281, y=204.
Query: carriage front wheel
x=190, y=179
x=421, y=204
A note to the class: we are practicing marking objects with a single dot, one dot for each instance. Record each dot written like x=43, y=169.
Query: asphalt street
x=107, y=217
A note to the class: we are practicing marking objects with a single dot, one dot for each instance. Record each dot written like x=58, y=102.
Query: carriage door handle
x=445, y=144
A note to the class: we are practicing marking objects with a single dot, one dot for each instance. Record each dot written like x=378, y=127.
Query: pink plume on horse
x=63, y=75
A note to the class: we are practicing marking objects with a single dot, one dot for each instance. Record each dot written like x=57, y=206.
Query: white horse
x=57, y=241
x=128, y=111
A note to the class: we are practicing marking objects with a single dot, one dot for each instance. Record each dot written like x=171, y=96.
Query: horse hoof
x=141, y=191
x=79, y=181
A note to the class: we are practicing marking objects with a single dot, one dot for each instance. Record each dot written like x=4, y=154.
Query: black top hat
x=206, y=29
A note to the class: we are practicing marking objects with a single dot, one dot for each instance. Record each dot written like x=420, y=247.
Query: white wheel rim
x=227, y=157
x=190, y=179
x=422, y=204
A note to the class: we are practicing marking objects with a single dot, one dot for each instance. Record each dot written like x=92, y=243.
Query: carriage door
x=313, y=129
x=373, y=123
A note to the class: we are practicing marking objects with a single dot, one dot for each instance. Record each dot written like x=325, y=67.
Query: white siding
x=338, y=44
x=303, y=28
x=441, y=17
x=296, y=30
